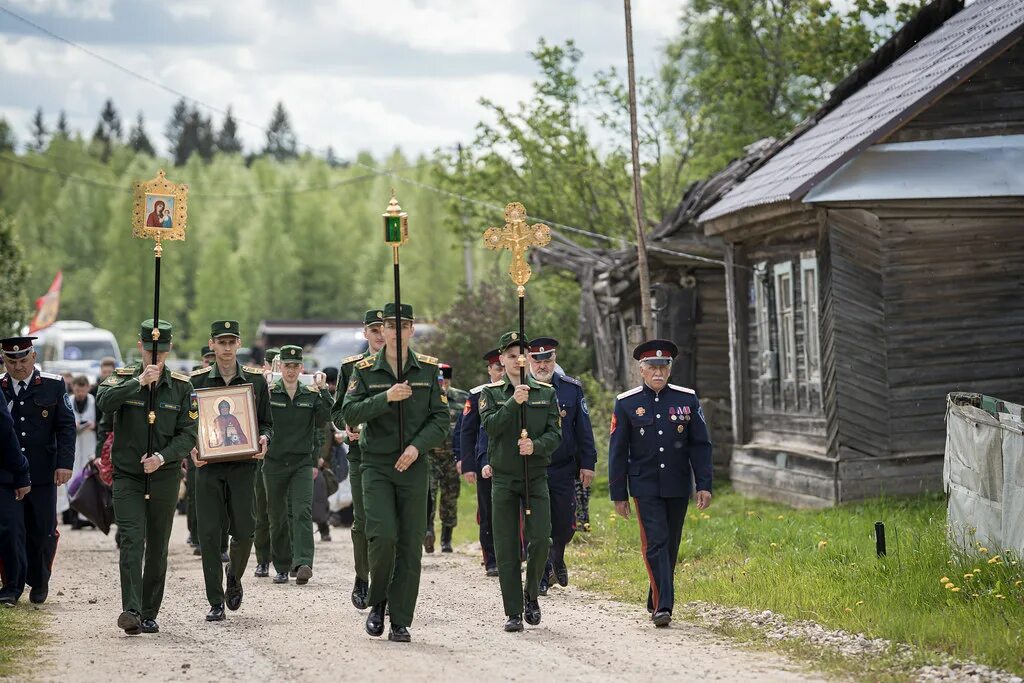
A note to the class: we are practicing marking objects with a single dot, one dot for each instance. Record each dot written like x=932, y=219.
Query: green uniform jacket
x=426, y=411
x=298, y=421
x=348, y=366
x=210, y=377
x=124, y=398
x=499, y=417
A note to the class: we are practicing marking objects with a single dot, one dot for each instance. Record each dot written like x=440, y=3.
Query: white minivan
x=75, y=346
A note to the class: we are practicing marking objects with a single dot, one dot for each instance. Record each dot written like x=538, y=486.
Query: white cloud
x=93, y=10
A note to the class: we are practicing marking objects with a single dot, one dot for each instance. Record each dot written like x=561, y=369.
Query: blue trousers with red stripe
x=661, y=527
x=562, y=489
x=13, y=561
x=483, y=518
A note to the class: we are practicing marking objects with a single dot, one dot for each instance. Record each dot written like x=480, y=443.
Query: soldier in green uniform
x=395, y=477
x=261, y=539
x=228, y=487
x=500, y=418
x=373, y=332
x=206, y=353
x=144, y=526
x=291, y=465
x=444, y=475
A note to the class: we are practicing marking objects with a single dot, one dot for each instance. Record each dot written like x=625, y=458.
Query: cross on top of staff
x=517, y=237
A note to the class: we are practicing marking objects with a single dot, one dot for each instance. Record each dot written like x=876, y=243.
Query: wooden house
x=875, y=262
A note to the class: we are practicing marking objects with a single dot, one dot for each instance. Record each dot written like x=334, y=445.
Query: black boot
x=532, y=610
x=399, y=634
x=359, y=591
x=262, y=571
x=514, y=623
x=150, y=626
x=131, y=622
x=428, y=540
x=216, y=613
x=375, y=619
x=325, y=532
x=233, y=592
x=446, y=539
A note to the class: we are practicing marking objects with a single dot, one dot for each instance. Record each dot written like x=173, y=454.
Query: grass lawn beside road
x=19, y=638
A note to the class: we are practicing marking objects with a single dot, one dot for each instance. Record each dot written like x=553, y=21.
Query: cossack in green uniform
x=395, y=502
x=228, y=486
x=144, y=526
x=371, y=319
x=500, y=419
x=289, y=467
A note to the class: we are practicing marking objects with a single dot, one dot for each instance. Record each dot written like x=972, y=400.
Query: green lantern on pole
x=396, y=223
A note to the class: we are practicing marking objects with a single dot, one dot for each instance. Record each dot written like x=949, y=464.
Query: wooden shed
x=876, y=262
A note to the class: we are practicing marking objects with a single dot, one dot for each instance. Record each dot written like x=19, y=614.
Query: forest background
x=288, y=232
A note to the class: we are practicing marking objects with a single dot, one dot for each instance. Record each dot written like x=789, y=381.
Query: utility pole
x=638, y=197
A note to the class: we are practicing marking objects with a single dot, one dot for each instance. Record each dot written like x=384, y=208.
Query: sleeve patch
x=583, y=405
x=614, y=424
x=467, y=407
x=444, y=399
x=483, y=402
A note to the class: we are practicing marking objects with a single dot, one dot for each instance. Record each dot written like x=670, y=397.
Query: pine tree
x=108, y=131
x=7, y=139
x=14, y=303
x=281, y=141
x=202, y=128
x=227, y=140
x=138, y=140
x=39, y=132
x=62, y=130
x=180, y=146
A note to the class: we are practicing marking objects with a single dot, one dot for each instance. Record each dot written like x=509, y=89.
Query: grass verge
x=19, y=638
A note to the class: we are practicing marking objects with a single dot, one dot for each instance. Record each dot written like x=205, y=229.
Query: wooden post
x=737, y=347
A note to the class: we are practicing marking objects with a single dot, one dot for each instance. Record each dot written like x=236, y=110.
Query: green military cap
x=389, y=312
x=374, y=317
x=223, y=328
x=290, y=354
x=207, y=351
x=511, y=339
x=270, y=354
x=163, y=335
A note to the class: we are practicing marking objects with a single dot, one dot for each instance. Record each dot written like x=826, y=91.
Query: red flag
x=47, y=306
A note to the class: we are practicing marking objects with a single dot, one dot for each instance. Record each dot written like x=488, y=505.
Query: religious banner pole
x=517, y=237
x=396, y=233
x=159, y=212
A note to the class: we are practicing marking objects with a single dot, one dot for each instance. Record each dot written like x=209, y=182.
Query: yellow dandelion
x=994, y=560
x=983, y=550
x=976, y=570
x=1000, y=597
x=1017, y=583
x=775, y=545
x=848, y=610
x=944, y=579
x=860, y=602
x=955, y=589
x=750, y=513
x=950, y=586
x=974, y=595
x=822, y=544
x=968, y=576
x=686, y=565
x=705, y=516
x=781, y=517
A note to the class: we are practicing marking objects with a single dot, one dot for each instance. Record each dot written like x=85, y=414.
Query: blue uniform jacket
x=44, y=422
x=658, y=441
x=13, y=464
x=473, y=439
x=577, y=450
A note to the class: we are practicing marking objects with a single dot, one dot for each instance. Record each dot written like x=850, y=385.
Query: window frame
x=812, y=314
x=782, y=278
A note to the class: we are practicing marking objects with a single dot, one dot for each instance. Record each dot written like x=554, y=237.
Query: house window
x=809, y=287
x=785, y=319
x=761, y=308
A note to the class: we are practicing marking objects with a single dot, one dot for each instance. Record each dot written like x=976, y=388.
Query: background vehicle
x=75, y=346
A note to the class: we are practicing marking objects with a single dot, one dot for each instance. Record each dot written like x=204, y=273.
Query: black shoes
x=262, y=571
x=38, y=596
x=281, y=577
x=492, y=570
x=359, y=591
x=661, y=618
x=325, y=532
x=399, y=634
x=532, y=610
x=131, y=622
x=428, y=540
x=562, y=574
x=233, y=593
x=303, y=574
x=8, y=601
x=543, y=590
x=216, y=613
x=150, y=626
x=375, y=620
x=446, y=539
x=514, y=624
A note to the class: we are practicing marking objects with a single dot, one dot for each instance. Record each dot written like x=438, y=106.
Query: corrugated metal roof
x=933, y=67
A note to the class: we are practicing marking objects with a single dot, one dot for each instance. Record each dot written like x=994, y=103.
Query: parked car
x=75, y=346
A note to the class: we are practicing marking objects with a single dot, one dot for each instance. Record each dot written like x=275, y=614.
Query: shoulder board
x=180, y=376
x=200, y=371
x=543, y=384
x=352, y=359
x=477, y=390
x=634, y=390
x=252, y=370
x=125, y=371
x=572, y=380
x=366, y=363
x=50, y=375
x=423, y=358
x=495, y=384
x=683, y=389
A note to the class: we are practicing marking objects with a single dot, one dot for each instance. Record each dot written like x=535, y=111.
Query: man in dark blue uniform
x=45, y=424
x=659, y=445
x=576, y=457
x=14, y=485
x=473, y=449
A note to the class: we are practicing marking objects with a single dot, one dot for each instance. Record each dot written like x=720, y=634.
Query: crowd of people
x=523, y=438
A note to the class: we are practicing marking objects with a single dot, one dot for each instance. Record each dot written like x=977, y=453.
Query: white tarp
x=983, y=473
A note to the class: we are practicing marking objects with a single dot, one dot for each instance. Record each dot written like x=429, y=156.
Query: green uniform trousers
x=359, y=548
x=190, y=499
x=225, y=493
x=145, y=529
x=261, y=539
x=396, y=513
x=289, y=491
x=507, y=497
x=445, y=485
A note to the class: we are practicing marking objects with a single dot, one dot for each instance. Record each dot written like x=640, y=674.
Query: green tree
x=138, y=141
x=108, y=131
x=37, y=143
x=180, y=145
x=281, y=141
x=8, y=141
x=62, y=130
x=14, y=310
x=228, y=141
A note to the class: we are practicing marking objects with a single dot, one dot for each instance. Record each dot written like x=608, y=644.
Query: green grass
x=820, y=565
x=19, y=638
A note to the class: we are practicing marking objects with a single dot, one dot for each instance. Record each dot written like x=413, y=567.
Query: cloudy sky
x=353, y=74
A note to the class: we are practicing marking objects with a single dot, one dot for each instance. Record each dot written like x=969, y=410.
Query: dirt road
x=313, y=633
